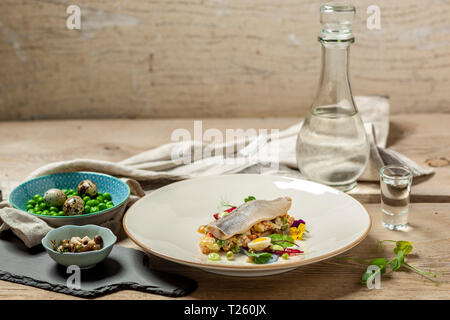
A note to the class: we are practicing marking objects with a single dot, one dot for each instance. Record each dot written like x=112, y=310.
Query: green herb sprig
x=259, y=258
x=402, y=249
x=283, y=240
x=225, y=203
x=249, y=198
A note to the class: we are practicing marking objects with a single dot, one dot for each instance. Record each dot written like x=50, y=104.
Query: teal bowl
x=83, y=260
x=119, y=190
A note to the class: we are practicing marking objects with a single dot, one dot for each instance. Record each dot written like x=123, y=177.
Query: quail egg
x=73, y=206
x=259, y=244
x=55, y=197
x=87, y=188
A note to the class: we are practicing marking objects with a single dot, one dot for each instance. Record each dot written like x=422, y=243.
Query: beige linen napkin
x=265, y=153
x=242, y=155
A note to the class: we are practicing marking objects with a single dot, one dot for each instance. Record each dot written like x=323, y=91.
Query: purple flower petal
x=297, y=223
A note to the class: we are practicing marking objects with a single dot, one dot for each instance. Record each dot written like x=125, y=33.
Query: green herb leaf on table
x=397, y=262
x=381, y=263
x=401, y=249
x=366, y=275
x=404, y=246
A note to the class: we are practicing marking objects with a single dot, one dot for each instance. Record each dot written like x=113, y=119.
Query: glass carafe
x=332, y=146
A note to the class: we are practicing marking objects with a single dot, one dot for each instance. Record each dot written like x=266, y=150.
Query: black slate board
x=124, y=269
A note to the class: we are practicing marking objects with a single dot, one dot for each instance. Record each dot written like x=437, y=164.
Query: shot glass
x=395, y=184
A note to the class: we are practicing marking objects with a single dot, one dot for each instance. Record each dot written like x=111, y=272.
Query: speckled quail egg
x=87, y=188
x=55, y=197
x=259, y=244
x=73, y=206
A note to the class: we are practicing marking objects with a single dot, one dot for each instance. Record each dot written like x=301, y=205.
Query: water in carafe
x=332, y=146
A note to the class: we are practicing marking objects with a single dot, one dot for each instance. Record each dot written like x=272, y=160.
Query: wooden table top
x=26, y=146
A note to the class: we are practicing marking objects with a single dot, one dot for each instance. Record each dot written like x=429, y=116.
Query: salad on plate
x=260, y=229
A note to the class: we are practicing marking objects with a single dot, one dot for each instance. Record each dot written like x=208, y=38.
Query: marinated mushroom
x=77, y=244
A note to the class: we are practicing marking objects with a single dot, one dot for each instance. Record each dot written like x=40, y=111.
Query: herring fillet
x=247, y=215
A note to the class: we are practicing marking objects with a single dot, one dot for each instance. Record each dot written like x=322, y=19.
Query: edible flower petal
x=297, y=232
x=296, y=223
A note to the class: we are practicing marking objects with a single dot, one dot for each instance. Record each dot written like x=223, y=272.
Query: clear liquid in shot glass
x=395, y=195
x=395, y=205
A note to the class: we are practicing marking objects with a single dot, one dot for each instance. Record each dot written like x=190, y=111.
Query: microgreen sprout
x=402, y=249
x=249, y=198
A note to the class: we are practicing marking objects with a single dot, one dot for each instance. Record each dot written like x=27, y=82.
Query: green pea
x=46, y=212
x=285, y=256
x=92, y=203
x=106, y=201
x=54, y=209
x=86, y=199
x=36, y=197
x=30, y=210
x=94, y=209
x=107, y=196
x=230, y=255
x=214, y=256
x=65, y=191
x=31, y=202
x=38, y=212
x=109, y=206
x=102, y=206
x=110, y=203
x=99, y=199
x=87, y=209
x=43, y=205
x=99, y=194
x=30, y=206
x=71, y=191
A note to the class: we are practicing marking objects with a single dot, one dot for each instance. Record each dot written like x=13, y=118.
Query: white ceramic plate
x=165, y=222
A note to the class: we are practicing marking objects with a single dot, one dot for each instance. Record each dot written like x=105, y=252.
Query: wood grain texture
x=26, y=146
x=329, y=279
x=210, y=58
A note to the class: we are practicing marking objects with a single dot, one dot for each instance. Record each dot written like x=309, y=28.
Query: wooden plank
x=26, y=146
x=210, y=58
x=329, y=279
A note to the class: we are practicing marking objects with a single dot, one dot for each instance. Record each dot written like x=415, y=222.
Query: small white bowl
x=83, y=260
